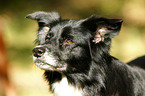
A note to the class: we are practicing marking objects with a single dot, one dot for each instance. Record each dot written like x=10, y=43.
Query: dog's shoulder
x=64, y=88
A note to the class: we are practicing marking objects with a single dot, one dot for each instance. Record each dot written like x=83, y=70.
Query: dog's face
x=67, y=45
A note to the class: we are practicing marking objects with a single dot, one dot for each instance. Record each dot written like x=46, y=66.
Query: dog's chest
x=63, y=88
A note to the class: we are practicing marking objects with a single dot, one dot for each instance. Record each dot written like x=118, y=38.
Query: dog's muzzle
x=42, y=59
x=45, y=60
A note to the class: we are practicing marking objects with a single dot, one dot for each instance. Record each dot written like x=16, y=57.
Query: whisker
x=90, y=48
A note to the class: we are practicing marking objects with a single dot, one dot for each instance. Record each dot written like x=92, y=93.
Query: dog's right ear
x=45, y=21
x=44, y=18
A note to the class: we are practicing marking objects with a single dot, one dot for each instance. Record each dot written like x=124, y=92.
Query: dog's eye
x=69, y=41
x=47, y=38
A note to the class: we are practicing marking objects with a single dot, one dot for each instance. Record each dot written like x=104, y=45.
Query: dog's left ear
x=102, y=27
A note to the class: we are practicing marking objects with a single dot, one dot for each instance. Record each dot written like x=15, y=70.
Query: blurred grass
x=29, y=81
x=19, y=34
x=129, y=44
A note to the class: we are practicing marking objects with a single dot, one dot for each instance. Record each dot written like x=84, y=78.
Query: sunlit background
x=19, y=33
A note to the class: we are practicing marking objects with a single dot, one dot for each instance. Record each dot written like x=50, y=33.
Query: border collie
x=75, y=57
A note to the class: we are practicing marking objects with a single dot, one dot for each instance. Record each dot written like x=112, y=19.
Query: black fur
x=140, y=62
x=81, y=51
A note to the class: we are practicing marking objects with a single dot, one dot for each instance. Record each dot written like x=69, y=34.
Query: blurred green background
x=19, y=34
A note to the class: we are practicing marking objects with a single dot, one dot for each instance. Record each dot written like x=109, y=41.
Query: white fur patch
x=48, y=58
x=46, y=29
x=99, y=35
x=63, y=88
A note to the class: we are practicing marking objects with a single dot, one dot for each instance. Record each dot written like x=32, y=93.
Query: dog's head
x=67, y=45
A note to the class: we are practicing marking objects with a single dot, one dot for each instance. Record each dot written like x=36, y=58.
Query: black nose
x=38, y=51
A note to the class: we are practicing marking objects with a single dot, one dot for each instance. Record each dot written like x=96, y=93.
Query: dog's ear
x=45, y=21
x=44, y=18
x=102, y=27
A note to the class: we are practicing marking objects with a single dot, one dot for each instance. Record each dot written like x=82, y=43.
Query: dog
x=75, y=57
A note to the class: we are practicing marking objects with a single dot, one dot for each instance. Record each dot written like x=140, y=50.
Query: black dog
x=75, y=55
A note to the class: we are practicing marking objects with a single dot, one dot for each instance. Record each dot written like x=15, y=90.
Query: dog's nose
x=38, y=51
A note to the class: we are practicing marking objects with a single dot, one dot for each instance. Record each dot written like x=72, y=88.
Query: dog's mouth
x=46, y=66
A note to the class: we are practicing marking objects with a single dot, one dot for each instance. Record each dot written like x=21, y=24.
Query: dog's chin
x=46, y=66
x=43, y=66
